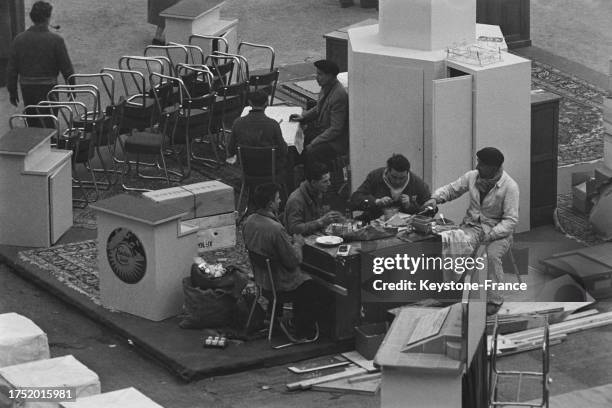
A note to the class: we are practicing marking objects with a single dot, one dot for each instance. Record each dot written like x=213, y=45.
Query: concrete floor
x=97, y=33
x=119, y=366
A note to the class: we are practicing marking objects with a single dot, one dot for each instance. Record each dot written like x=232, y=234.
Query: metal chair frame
x=176, y=54
x=166, y=116
x=148, y=65
x=93, y=122
x=133, y=87
x=196, y=55
x=262, y=79
x=23, y=118
x=231, y=100
x=275, y=294
x=544, y=375
x=249, y=180
x=241, y=74
x=199, y=87
x=71, y=138
x=258, y=46
x=186, y=107
x=223, y=68
x=210, y=38
x=110, y=128
x=197, y=78
x=267, y=82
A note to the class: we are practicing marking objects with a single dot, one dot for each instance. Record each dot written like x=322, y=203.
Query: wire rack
x=474, y=55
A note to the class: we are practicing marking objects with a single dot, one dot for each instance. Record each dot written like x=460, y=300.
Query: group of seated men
x=490, y=219
x=325, y=125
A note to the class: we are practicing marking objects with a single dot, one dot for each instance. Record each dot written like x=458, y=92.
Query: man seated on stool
x=394, y=186
x=492, y=214
x=304, y=209
x=265, y=235
x=327, y=137
x=257, y=130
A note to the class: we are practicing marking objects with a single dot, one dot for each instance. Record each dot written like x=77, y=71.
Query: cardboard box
x=198, y=200
x=369, y=337
x=603, y=175
x=64, y=371
x=21, y=340
x=215, y=232
x=127, y=397
x=584, y=188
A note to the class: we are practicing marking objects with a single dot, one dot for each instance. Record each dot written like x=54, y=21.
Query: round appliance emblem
x=126, y=255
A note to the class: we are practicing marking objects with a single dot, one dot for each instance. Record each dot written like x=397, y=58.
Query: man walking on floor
x=36, y=57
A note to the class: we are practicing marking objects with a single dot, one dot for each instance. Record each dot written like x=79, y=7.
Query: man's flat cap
x=490, y=156
x=327, y=67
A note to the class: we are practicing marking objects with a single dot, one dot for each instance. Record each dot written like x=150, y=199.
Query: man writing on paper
x=326, y=137
x=392, y=186
x=492, y=214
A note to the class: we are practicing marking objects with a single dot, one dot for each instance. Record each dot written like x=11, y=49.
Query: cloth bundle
x=455, y=244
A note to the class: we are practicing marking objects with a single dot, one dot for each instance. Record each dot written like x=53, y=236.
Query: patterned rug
x=75, y=264
x=580, y=113
x=574, y=224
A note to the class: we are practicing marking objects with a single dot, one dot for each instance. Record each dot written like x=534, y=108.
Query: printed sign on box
x=215, y=232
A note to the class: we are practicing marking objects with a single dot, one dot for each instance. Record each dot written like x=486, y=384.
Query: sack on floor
x=205, y=308
x=233, y=281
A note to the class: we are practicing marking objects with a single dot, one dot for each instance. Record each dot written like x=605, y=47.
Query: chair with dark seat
x=110, y=110
x=154, y=140
x=258, y=165
x=197, y=78
x=229, y=103
x=232, y=99
x=241, y=66
x=266, y=82
x=139, y=104
x=192, y=118
x=225, y=69
x=202, y=102
x=94, y=123
x=266, y=79
x=266, y=287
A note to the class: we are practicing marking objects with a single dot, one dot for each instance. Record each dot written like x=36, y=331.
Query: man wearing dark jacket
x=265, y=235
x=327, y=136
x=258, y=130
x=391, y=186
x=304, y=212
x=36, y=57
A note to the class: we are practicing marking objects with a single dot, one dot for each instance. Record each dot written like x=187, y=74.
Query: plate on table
x=329, y=240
